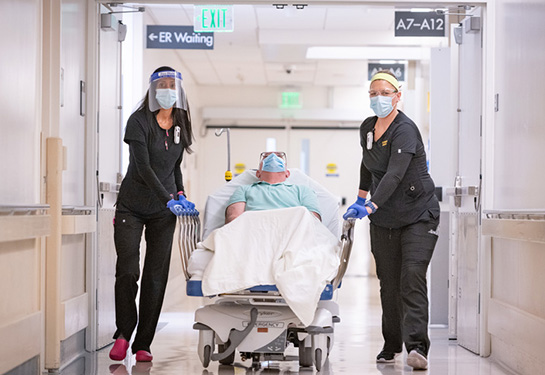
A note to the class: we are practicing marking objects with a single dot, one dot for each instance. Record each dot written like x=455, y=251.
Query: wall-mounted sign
x=239, y=168
x=397, y=69
x=419, y=24
x=207, y=18
x=177, y=37
x=331, y=170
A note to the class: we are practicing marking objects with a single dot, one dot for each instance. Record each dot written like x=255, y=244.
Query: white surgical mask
x=273, y=163
x=166, y=97
x=382, y=105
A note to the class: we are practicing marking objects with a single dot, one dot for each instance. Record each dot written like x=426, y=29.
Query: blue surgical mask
x=273, y=163
x=166, y=97
x=382, y=105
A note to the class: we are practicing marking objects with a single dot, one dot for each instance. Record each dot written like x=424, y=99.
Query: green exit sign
x=210, y=18
x=290, y=99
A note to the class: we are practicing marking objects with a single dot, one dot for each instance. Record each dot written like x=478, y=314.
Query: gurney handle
x=351, y=213
x=347, y=238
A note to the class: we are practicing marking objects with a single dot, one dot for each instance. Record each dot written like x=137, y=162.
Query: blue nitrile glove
x=182, y=201
x=183, y=207
x=356, y=210
x=175, y=207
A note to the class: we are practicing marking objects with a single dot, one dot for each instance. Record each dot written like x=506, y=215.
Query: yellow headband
x=387, y=77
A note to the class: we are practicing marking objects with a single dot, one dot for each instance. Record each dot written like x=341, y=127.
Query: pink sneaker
x=119, y=350
x=143, y=356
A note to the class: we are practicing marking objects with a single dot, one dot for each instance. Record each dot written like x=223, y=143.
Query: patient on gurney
x=271, y=191
x=276, y=239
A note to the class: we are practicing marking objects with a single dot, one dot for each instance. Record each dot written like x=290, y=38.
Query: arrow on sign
x=152, y=37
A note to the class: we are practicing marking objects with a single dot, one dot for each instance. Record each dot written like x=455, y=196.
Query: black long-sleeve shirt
x=154, y=165
x=395, y=172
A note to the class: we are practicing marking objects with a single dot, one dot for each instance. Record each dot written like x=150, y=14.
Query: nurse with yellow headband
x=384, y=94
x=404, y=215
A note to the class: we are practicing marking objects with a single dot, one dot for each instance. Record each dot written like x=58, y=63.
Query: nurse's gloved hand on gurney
x=182, y=207
x=358, y=210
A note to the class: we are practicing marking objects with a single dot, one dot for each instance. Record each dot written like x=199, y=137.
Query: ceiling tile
x=290, y=18
x=362, y=18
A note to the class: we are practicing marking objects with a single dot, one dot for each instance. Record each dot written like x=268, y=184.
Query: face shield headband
x=166, y=91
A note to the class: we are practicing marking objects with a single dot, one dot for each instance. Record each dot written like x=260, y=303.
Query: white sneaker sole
x=417, y=361
x=383, y=360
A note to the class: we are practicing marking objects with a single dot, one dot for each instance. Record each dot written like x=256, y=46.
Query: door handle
x=463, y=191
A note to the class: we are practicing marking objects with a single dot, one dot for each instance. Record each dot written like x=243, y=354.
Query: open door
x=465, y=207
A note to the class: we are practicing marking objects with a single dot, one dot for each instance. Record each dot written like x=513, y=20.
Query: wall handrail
x=78, y=210
x=527, y=225
x=530, y=214
x=27, y=209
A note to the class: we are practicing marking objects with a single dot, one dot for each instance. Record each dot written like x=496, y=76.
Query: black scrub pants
x=127, y=235
x=402, y=257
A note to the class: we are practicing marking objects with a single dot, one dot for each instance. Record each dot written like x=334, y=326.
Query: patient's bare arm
x=234, y=211
x=317, y=215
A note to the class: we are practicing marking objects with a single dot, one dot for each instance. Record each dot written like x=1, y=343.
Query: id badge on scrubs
x=176, y=134
x=370, y=136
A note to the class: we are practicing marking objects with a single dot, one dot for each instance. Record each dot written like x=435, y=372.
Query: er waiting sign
x=208, y=18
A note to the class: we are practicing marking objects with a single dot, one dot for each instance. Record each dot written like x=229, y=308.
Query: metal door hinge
x=496, y=102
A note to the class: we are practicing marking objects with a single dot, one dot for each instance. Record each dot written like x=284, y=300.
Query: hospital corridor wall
x=55, y=81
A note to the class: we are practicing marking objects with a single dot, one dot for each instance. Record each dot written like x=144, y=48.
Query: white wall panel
x=517, y=309
x=519, y=151
x=72, y=266
x=19, y=102
x=21, y=277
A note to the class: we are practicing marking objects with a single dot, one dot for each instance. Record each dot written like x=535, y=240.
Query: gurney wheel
x=305, y=355
x=229, y=360
x=318, y=358
x=206, y=356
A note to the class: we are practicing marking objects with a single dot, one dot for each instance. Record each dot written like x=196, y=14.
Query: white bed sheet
x=288, y=247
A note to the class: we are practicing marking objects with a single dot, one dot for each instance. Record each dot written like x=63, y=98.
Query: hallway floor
x=357, y=342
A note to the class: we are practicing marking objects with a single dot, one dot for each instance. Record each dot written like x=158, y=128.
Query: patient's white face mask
x=273, y=163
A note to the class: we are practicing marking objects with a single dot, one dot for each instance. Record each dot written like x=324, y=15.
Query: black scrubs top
x=154, y=165
x=394, y=171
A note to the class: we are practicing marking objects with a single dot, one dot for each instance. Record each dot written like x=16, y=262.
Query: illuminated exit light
x=210, y=18
x=291, y=99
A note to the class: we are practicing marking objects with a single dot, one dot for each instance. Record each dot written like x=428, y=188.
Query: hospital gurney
x=257, y=322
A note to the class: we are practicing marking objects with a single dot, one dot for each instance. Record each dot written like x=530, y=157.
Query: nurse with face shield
x=150, y=198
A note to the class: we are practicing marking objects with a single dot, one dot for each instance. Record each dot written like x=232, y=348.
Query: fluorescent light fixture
x=342, y=53
x=368, y=53
x=392, y=61
x=421, y=10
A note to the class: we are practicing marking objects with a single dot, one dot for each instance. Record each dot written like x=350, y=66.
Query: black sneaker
x=387, y=357
x=417, y=360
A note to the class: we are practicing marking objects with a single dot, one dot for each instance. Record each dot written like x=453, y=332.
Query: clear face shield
x=273, y=161
x=166, y=91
